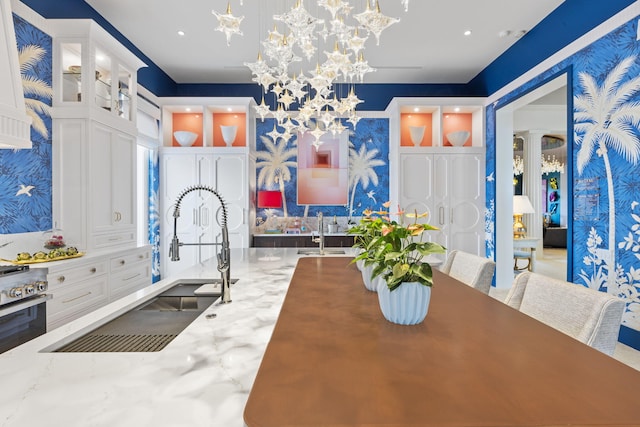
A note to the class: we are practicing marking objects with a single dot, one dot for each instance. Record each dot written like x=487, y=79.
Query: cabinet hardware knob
x=61, y=279
x=93, y=270
x=122, y=262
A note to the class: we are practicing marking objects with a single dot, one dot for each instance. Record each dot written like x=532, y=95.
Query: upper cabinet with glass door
x=94, y=75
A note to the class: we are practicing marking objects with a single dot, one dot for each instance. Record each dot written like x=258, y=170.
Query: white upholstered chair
x=589, y=316
x=471, y=269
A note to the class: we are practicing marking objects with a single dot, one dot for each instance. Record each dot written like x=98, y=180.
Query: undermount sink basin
x=316, y=251
x=153, y=324
x=172, y=304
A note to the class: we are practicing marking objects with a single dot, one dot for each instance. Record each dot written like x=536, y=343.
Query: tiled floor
x=553, y=264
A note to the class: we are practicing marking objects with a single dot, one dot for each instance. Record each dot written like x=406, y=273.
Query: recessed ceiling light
x=519, y=34
x=416, y=109
x=467, y=33
x=457, y=109
x=229, y=109
x=187, y=109
x=181, y=33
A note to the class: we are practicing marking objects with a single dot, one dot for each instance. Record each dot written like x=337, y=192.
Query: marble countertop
x=202, y=378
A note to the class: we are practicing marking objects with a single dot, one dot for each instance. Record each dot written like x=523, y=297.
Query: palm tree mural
x=274, y=165
x=606, y=119
x=28, y=57
x=361, y=164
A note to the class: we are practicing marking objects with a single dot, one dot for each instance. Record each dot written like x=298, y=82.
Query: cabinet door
x=416, y=184
x=232, y=185
x=208, y=205
x=123, y=159
x=441, y=191
x=178, y=172
x=113, y=179
x=100, y=177
x=466, y=203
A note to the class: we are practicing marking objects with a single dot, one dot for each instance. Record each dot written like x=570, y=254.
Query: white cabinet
x=129, y=271
x=449, y=186
x=94, y=184
x=224, y=170
x=94, y=136
x=93, y=73
x=77, y=290
x=82, y=285
x=112, y=181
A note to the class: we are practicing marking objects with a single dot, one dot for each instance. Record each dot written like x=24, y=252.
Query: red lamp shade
x=269, y=199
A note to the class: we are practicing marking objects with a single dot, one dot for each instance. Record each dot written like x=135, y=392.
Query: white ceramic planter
x=417, y=134
x=369, y=284
x=229, y=134
x=406, y=305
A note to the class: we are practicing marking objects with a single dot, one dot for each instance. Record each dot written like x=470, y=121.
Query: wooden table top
x=333, y=360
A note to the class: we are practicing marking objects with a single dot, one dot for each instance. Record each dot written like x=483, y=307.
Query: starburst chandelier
x=320, y=107
x=548, y=164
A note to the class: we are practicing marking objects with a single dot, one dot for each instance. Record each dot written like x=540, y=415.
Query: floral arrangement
x=396, y=249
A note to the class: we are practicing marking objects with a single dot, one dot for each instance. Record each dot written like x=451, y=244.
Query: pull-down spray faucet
x=224, y=256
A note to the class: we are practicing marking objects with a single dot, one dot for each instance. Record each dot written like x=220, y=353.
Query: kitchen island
x=202, y=378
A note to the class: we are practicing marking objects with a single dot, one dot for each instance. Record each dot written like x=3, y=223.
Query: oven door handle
x=38, y=299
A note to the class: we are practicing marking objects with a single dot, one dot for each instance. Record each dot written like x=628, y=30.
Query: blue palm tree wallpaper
x=606, y=150
x=368, y=168
x=25, y=175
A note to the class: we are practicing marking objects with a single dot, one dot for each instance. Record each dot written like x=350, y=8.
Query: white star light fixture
x=228, y=24
x=340, y=37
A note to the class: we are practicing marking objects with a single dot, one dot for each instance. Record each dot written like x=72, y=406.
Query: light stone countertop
x=202, y=378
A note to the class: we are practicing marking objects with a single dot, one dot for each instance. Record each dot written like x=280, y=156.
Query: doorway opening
x=532, y=139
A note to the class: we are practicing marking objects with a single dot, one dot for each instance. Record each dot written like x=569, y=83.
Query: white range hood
x=14, y=122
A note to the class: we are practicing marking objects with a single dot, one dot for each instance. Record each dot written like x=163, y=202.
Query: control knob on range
x=30, y=289
x=16, y=292
x=41, y=285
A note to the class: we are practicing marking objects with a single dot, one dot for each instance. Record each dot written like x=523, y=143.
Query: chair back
x=587, y=315
x=471, y=269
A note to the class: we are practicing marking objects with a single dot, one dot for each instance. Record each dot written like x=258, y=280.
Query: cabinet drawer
x=112, y=239
x=64, y=277
x=130, y=280
x=72, y=301
x=124, y=261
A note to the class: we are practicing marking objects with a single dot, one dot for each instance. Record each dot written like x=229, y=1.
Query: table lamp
x=269, y=199
x=521, y=206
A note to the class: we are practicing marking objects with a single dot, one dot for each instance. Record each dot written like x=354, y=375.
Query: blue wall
x=25, y=175
x=604, y=194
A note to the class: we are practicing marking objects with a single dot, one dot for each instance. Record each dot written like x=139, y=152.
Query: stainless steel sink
x=316, y=251
x=151, y=325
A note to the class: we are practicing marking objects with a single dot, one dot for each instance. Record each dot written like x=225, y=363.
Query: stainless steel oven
x=23, y=308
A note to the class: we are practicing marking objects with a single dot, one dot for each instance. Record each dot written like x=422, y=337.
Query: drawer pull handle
x=140, y=256
x=93, y=270
x=132, y=277
x=61, y=279
x=76, y=298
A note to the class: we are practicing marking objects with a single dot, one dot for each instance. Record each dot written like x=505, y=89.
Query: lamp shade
x=522, y=205
x=269, y=199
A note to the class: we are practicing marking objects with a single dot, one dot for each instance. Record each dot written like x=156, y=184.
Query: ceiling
x=426, y=46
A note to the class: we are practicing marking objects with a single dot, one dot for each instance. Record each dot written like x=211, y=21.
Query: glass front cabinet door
x=93, y=71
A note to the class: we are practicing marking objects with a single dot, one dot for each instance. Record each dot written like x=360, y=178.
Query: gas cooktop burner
x=10, y=269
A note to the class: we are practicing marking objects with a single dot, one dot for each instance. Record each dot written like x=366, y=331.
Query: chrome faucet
x=224, y=256
x=320, y=238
